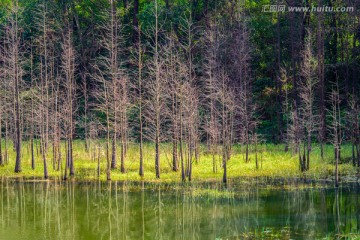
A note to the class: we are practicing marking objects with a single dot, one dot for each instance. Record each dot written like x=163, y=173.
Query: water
x=66, y=210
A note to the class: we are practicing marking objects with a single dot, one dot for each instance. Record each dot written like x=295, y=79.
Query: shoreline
x=238, y=183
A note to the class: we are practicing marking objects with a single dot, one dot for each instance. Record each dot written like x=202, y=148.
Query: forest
x=153, y=87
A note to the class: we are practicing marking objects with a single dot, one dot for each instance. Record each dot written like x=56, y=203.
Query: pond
x=101, y=210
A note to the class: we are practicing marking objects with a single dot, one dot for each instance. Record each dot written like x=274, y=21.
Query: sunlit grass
x=273, y=162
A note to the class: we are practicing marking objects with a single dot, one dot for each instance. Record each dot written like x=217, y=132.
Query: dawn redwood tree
x=190, y=120
x=13, y=62
x=175, y=77
x=68, y=102
x=286, y=106
x=113, y=93
x=210, y=92
x=353, y=119
x=238, y=53
x=307, y=98
x=45, y=49
x=140, y=90
x=336, y=126
x=321, y=77
x=156, y=90
x=2, y=100
x=227, y=110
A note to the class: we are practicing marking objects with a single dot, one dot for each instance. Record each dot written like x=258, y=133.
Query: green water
x=65, y=210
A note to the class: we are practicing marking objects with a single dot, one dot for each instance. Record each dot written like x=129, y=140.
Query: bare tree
x=239, y=71
x=353, y=128
x=211, y=95
x=156, y=95
x=307, y=96
x=69, y=90
x=13, y=63
x=227, y=112
x=45, y=48
x=336, y=127
x=113, y=94
x=140, y=65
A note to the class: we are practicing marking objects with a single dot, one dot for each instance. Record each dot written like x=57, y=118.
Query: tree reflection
x=112, y=210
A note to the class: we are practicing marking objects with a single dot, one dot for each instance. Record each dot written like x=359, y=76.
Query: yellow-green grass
x=273, y=162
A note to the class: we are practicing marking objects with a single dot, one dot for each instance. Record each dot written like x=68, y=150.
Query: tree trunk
x=225, y=170
x=17, y=122
x=157, y=155
x=123, y=149
x=336, y=167
x=113, y=153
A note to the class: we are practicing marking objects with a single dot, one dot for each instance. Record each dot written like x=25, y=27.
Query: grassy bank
x=274, y=162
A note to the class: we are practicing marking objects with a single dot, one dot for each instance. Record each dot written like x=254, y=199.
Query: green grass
x=273, y=163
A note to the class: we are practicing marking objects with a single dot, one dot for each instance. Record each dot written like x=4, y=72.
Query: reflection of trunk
x=337, y=212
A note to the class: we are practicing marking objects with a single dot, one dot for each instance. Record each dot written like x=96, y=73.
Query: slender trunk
x=225, y=169
x=336, y=167
x=358, y=154
x=123, y=149
x=256, y=154
x=308, y=152
x=190, y=157
x=157, y=155
x=72, y=170
x=247, y=151
x=59, y=163
x=17, y=122
x=175, y=164
x=181, y=149
x=66, y=160
x=46, y=175
x=98, y=162
x=141, y=169
x=113, y=152
x=322, y=150
x=1, y=153
x=353, y=154
x=54, y=154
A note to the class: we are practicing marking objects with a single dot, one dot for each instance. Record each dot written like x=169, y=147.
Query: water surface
x=100, y=210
